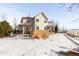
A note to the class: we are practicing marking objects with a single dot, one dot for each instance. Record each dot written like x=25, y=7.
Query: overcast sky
x=53, y=11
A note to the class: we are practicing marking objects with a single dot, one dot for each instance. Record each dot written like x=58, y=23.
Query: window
x=44, y=28
x=37, y=20
x=47, y=28
x=28, y=20
x=37, y=27
x=27, y=28
x=45, y=21
x=29, y=35
x=24, y=20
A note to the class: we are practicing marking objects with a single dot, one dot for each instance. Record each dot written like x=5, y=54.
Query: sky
x=54, y=11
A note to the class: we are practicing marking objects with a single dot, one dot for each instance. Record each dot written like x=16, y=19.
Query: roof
x=26, y=18
x=42, y=15
x=35, y=16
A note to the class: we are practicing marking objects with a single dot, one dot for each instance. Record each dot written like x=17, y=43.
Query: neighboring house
x=29, y=24
x=26, y=26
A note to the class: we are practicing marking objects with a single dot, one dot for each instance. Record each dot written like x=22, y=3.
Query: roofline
x=25, y=18
x=42, y=14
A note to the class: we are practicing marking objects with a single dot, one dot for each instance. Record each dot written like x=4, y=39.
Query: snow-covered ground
x=31, y=47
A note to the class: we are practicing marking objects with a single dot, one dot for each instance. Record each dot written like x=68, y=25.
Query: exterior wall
x=41, y=24
x=33, y=23
x=24, y=21
x=26, y=25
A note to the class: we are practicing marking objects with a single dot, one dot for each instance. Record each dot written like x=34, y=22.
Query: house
x=26, y=26
x=30, y=24
x=41, y=21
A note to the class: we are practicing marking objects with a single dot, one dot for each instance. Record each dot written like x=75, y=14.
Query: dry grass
x=40, y=34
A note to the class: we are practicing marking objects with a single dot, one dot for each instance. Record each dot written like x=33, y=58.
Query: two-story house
x=40, y=21
x=30, y=24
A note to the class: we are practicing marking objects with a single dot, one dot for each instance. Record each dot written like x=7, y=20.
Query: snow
x=32, y=47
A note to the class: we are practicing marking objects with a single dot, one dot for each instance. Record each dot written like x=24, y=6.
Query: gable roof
x=26, y=18
x=42, y=15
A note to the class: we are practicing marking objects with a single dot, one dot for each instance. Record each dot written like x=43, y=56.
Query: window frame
x=37, y=27
x=28, y=21
x=45, y=28
x=37, y=20
x=45, y=21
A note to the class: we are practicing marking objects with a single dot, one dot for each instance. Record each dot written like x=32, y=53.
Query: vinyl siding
x=41, y=22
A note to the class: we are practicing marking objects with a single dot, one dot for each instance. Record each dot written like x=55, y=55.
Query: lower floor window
x=45, y=28
x=37, y=27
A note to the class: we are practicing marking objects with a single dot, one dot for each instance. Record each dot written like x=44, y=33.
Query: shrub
x=5, y=29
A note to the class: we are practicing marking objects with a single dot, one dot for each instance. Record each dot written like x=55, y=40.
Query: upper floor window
x=45, y=21
x=37, y=20
x=24, y=21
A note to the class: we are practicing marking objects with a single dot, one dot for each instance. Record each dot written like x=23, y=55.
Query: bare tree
x=14, y=22
x=3, y=16
x=62, y=4
x=70, y=8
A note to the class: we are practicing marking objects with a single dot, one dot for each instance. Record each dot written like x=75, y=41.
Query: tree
x=56, y=28
x=3, y=16
x=5, y=28
x=14, y=22
x=53, y=23
x=71, y=8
